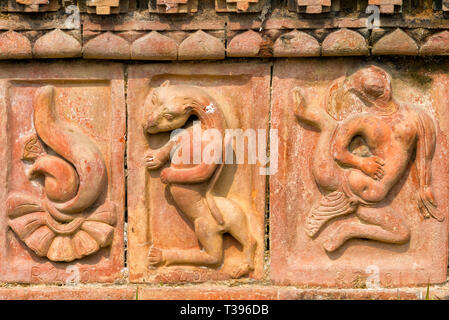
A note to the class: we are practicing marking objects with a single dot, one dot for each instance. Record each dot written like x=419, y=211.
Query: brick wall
x=350, y=204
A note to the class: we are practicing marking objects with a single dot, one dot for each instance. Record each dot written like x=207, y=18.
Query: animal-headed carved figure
x=191, y=184
x=362, y=155
x=56, y=226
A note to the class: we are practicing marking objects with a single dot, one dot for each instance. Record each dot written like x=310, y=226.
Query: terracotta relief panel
x=62, y=199
x=361, y=193
x=203, y=219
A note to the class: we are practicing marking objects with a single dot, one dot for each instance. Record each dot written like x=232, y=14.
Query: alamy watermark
x=198, y=146
x=373, y=20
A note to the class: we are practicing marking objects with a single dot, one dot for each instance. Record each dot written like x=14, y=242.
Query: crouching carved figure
x=57, y=226
x=362, y=152
x=191, y=185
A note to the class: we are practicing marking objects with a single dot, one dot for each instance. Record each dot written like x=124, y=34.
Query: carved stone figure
x=191, y=185
x=366, y=143
x=74, y=175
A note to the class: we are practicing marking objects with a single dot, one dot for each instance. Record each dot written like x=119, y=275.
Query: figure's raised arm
x=315, y=116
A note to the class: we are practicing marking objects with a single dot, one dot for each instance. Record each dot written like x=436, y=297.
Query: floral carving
x=60, y=226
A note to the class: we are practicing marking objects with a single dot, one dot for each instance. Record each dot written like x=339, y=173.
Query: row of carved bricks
x=201, y=45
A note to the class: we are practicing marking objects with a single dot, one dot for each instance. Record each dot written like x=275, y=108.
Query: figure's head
x=372, y=85
x=168, y=108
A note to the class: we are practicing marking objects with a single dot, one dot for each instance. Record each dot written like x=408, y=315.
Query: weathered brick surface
x=68, y=293
x=344, y=43
x=214, y=292
x=397, y=42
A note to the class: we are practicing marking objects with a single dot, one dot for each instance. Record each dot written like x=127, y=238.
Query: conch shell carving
x=57, y=226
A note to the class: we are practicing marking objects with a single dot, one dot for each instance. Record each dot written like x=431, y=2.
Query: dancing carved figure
x=57, y=225
x=191, y=185
x=361, y=155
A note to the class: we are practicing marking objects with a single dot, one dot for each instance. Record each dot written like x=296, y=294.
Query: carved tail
x=210, y=199
x=213, y=119
x=75, y=147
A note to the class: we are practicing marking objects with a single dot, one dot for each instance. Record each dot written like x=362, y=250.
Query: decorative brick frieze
x=188, y=43
x=310, y=6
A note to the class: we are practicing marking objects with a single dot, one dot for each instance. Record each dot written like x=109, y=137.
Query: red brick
x=201, y=46
x=350, y=294
x=246, y=44
x=14, y=45
x=56, y=44
x=436, y=44
x=107, y=46
x=208, y=292
x=89, y=109
x=396, y=43
x=296, y=44
x=154, y=46
x=344, y=42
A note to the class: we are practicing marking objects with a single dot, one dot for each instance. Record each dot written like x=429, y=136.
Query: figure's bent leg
x=236, y=224
x=314, y=115
x=191, y=203
x=243, y=235
x=383, y=226
x=210, y=238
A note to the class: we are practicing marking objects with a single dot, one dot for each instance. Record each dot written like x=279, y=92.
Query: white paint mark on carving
x=210, y=108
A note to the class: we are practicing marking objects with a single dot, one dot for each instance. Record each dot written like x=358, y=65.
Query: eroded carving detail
x=58, y=225
x=191, y=186
x=366, y=143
